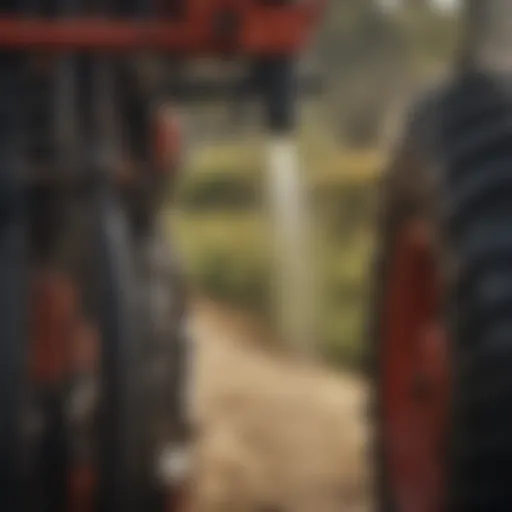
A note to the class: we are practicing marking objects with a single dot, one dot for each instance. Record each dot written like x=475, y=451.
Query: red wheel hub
x=414, y=374
x=63, y=343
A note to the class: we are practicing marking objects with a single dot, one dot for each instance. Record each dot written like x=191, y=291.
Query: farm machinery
x=93, y=349
x=443, y=296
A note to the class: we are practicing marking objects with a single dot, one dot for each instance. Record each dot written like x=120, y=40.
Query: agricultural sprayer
x=93, y=350
x=443, y=309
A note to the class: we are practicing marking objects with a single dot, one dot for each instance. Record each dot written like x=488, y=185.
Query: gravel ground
x=275, y=435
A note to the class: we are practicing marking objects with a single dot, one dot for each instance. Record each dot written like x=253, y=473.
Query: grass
x=224, y=237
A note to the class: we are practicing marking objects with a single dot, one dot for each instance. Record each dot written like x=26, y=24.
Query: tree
x=374, y=53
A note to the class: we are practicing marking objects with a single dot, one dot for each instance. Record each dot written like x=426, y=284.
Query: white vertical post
x=293, y=283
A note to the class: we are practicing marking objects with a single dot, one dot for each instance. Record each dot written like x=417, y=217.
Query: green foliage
x=227, y=250
x=225, y=255
x=225, y=179
x=376, y=58
x=345, y=207
x=220, y=189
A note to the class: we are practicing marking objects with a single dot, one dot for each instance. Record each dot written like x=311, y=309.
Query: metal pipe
x=290, y=218
x=13, y=288
x=266, y=32
x=113, y=266
x=289, y=208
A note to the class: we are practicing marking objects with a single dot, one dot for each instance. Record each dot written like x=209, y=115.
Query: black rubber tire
x=113, y=287
x=14, y=291
x=477, y=146
x=166, y=348
x=473, y=203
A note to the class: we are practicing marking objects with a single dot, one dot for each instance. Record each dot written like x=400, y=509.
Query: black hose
x=276, y=79
x=13, y=291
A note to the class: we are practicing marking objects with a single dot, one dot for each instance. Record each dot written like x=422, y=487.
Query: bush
x=220, y=190
x=225, y=243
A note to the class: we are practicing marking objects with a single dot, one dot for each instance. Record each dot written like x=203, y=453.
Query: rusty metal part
x=414, y=374
x=260, y=29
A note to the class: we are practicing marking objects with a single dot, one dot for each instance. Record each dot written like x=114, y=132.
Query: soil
x=276, y=434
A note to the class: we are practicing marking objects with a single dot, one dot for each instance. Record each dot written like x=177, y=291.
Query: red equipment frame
x=256, y=29
x=209, y=27
x=415, y=373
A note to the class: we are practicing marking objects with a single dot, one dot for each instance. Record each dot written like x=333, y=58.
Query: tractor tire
x=397, y=218
x=166, y=356
x=404, y=201
x=110, y=293
x=133, y=296
x=14, y=292
x=464, y=203
x=477, y=144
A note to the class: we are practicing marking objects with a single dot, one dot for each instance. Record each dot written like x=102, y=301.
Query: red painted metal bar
x=259, y=31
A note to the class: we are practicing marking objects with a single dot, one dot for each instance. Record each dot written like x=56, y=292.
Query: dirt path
x=276, y=435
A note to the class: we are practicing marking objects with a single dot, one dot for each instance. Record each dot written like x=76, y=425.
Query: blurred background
x=374, y=57
x=279, y=428
x=275, y=432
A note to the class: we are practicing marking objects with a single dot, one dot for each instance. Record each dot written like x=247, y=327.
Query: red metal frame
x=62, y=344
x=53, y=320
x=259, y=29
x=415, y=375
x=168, y=142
